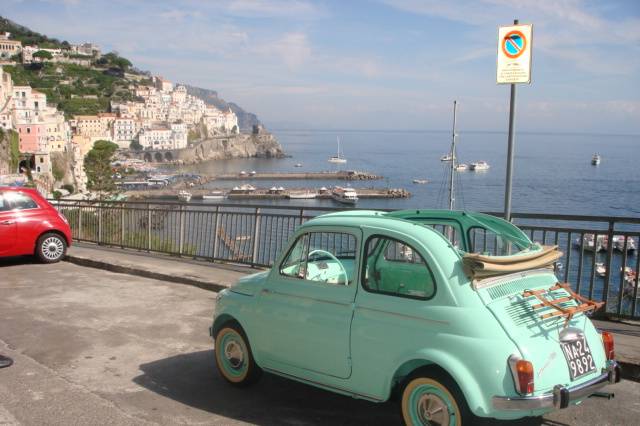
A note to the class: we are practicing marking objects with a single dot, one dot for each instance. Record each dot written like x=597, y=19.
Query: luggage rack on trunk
x=583, y=304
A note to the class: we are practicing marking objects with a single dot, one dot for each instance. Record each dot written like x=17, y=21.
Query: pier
x=264, y=193
x=325, y=175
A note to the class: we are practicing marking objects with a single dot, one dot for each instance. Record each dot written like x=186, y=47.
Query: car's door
x=28, y=218
x=7, y=228
x=305, y=309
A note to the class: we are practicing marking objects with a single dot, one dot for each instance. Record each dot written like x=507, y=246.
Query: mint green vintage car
x=460, y=314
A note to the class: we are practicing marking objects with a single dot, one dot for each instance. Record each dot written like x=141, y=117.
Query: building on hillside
x=179, y=95
x=106, y=120
x=86, y=49
x=82, y=143
x=162, y=84
x=42, y=162
x=9, y=47
x=125, y=131
x=28, y=104
x=156, y=137
x=6, y=100
x=57, y=130
x=32, y=137
x=92, y=126
x=28, y=52
x=219, y=122
x=179, y=135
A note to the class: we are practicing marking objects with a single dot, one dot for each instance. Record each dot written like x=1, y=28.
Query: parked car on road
x=458, y=313
x=29, y=225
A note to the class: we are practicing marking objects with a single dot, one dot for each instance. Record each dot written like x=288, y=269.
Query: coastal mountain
x=246, y=120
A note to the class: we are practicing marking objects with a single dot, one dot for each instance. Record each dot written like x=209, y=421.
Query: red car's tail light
x=522, y=372
x=607, y=341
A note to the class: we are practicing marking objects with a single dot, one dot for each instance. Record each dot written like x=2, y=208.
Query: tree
x=97, y=166
x=135, y=145
x=43, y=54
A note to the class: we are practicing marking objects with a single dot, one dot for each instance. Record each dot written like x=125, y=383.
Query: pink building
x=33, y=138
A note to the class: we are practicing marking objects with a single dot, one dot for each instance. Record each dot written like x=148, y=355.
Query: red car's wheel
x=51, y=248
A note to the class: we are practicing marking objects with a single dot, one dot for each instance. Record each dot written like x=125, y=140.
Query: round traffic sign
x=514, y=44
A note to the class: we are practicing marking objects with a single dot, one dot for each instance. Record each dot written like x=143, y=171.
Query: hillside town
x=159, y=116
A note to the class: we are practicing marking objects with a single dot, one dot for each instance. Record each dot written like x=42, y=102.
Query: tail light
x=522, y=372
x=607, y=341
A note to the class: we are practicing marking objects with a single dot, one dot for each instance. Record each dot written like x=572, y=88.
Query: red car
x=29, y=225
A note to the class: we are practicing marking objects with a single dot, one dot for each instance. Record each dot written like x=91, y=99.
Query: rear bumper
x=562, y=396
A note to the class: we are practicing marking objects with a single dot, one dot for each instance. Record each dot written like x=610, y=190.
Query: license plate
x=579, y=358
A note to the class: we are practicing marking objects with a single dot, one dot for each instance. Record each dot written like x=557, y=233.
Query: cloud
x=273, y=9
x=292, y=48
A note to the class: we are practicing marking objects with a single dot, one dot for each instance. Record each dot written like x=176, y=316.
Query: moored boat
x=619, y=243
x=420, y=181
x=461, y=167
x=479, y=166
x=344, y=195
x=301, y=195
x=446, y=157
x=595, y=160
x=214, y=195
x=338, y=158
x=184, y=196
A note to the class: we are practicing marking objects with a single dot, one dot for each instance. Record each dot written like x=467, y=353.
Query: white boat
x=252, y=173
x=420, y=181
x=184, y=196
x=298, y=165
x=301, y=195
x=344, y=195
x=214, y=195
x=595, y=160
x=479, y=166
x=601, y=270
x=461, y=167
x=591, y=243
x=618, y=243
x=446, y=157
x=338, y=158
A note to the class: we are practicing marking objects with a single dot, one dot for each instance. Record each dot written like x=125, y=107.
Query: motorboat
x=601, y=270
x=619, y=243
x=184, y=196
x=595, y=160
x=420, y=181
x=461, y=167
x=592, y=243
x=479, y=166
x=339, y=157
x=446, y=157
x=301, y=195
x=252, y=173
x=344, y=195
x=214, y=195
x=298, y=165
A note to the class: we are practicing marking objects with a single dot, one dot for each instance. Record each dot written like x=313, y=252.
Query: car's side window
x=327, y=257
x=489, y=243
x=4, y=205
x=395, y=268
x=20, y=201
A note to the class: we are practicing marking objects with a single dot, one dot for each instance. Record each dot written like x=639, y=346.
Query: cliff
x=246, y=120
x=262, y=145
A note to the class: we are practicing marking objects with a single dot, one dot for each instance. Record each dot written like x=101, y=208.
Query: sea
x=552, y=172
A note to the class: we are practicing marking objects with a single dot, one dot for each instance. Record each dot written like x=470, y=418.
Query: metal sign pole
x=510, y=149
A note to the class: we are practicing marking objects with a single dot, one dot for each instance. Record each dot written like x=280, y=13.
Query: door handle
x=7, y=222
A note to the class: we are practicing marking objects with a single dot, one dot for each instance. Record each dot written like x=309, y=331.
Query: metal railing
x=600, y=253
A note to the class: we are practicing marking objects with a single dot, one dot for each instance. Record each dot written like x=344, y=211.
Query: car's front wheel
x=51, y=248
x=432, y=398
x=234, y=358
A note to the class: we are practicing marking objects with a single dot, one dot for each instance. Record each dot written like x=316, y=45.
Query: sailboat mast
x=452, y=194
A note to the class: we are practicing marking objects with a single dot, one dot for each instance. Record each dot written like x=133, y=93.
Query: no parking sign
x=514, y=54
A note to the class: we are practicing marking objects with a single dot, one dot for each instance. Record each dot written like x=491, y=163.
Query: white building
x=219, y=122
x=125, y=130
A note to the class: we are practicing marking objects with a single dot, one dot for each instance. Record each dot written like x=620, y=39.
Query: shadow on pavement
x=18, y=260
x=192, y=379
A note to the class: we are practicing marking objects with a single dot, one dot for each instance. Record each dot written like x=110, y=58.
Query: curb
x=144, y=273
x=630, y=371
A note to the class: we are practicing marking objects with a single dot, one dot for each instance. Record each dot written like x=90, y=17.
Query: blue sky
x=386, y=64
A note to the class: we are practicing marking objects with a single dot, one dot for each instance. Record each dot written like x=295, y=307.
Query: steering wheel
x=342, y=270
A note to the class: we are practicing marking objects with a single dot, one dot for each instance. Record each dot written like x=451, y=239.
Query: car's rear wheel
x=432, y=398
x=51, y=248
x=234, y=358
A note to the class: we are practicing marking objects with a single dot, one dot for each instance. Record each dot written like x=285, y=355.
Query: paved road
x=95, y=347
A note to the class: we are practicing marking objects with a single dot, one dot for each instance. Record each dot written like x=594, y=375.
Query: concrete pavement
x=96, y=347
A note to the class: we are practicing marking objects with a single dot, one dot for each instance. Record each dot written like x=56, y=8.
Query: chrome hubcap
x=233, y=353
x=432, y=410
x=52, y=248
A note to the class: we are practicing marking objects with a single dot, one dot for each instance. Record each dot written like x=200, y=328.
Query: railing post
x=607, y=275
x=79, y=222
x=148, y=227
x=99, y=224
x=181, y=238
x=256, y=235
x=216, y=226
x=122, y=226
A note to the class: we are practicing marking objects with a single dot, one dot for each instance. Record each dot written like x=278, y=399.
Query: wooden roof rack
x=583, y=304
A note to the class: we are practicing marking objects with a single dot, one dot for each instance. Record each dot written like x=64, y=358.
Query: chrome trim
x=561, y=396
x=267, y=291
x=571, y=334
x=403, y=315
